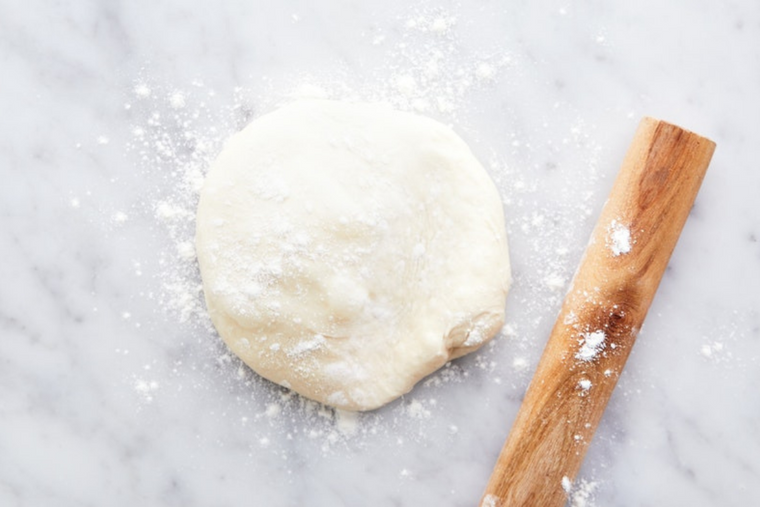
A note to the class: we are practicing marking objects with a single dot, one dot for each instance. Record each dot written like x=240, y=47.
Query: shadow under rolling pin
x=602, y=313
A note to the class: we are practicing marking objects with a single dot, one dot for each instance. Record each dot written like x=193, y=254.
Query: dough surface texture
x=348, y=250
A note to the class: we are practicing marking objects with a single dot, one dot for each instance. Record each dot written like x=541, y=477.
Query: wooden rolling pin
x=601, y=316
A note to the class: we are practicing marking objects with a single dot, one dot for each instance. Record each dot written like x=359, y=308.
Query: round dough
x=349, y=250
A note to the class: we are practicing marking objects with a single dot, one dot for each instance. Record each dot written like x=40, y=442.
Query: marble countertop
x=114, y=388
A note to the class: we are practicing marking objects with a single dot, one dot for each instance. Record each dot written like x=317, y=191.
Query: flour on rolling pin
x=618, y=238
x=591, y=344
x=601, y=316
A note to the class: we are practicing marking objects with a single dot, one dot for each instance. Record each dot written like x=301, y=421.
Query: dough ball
x=349, y=250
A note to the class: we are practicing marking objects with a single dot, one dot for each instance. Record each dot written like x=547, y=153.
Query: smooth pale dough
x=348, y=250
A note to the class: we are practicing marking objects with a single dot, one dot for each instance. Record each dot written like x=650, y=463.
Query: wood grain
x=651, y=197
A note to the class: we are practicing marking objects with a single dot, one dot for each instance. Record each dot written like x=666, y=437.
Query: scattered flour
x=716, y=351
x=618, y=238
x=591, y=344
x=520, y=364
x=145, y=388
x=582, y=494
x=555, y=281
x=719, y=345
x=347, y=422
x=490, y=501
x=177, y=100
x=273, y=410
x=417, y=410
x=142, y=91
x=119, y=217
x=177, y=130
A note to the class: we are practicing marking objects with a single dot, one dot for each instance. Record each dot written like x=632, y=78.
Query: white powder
x=169, y=211
x=555, y=282
x=306, y=346
x=177, y=100
x=142, y=91
x=509, y=330
x=520, y=364
x=337, y=398
x=119, y=217
x=406, y=85
x=273, y=410
x=716, y=351
x=146, y=388
x=567, y=484
x=485, y=71
x=582, y=494
x=591, y=345
x=584, y=384
x=441, y=25
x=347, y=422
x=417, y=410
x=476, y=335
x=490, y=501
x=178, y=128
x=186, y=250
x=618, y=238
x=449, y=373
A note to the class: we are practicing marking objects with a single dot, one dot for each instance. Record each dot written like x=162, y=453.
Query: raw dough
x=349, y=250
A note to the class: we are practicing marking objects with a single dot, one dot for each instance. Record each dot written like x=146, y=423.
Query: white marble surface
x=109, y=395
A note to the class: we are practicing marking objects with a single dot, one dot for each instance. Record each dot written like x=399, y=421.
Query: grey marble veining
x=110, y=396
